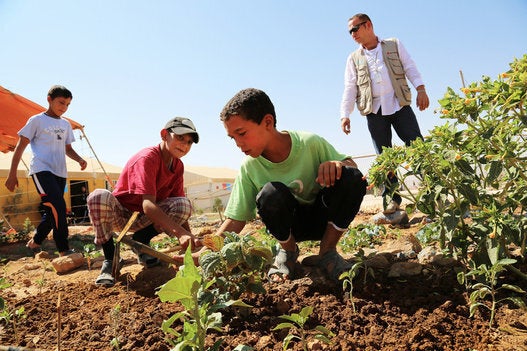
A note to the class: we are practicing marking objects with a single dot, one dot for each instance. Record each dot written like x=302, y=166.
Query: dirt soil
x=422, y=313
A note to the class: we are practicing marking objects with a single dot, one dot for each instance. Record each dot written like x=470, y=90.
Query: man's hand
x=345, y=125
x=422, y=100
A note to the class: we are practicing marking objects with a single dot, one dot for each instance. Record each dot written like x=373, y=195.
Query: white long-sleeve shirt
x=382, y=89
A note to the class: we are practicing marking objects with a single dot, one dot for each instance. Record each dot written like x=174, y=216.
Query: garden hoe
x=136, y=246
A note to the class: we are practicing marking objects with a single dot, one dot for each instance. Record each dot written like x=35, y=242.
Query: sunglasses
x=356, y=28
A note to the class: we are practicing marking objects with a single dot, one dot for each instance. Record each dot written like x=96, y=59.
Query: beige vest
x=395, y=68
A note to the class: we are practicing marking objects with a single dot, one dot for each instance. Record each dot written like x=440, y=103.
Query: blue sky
x=132, y=65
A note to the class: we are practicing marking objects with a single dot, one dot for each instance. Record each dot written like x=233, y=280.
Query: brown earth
x=420, y=313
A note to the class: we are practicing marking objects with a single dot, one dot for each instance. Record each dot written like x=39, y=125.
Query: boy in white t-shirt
x=50, y=137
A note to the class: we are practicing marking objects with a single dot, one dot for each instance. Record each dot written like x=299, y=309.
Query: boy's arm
x=163, y=221
x=231, y=225
x=75, y=157
x=12, y=181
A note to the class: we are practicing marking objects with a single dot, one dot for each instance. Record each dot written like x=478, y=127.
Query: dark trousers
x=405, y=125
x=283, y=215
x=51, y=190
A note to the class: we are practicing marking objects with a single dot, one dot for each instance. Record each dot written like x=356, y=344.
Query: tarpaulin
x=15, y=110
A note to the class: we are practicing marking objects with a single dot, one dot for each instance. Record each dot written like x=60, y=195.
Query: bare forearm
x=231, y=225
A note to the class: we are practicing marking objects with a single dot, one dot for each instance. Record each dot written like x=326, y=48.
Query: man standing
x=375, y=79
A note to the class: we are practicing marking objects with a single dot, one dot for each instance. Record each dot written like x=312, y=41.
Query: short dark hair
x=361, y=16
x=59, y=91
x=250, y=104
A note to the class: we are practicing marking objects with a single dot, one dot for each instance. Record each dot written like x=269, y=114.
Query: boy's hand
x=11, y=183
x=195, y=256
x=83, y=164
x=328, y=173
x=186, y=240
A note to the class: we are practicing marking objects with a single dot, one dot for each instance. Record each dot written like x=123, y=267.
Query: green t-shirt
x=298, y=172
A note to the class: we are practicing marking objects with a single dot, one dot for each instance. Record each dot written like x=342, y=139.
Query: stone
x=405, y=269
x=68, y=263
x=398, y=217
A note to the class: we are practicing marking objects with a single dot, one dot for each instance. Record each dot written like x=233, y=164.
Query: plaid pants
x=108, y=215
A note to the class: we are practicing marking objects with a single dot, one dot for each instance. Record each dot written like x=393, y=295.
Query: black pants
x=283, y=215
x=405, y=125
x=51, y=190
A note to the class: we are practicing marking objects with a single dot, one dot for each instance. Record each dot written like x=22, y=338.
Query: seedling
x=9, y=316
x=91, y=252
x=489, y=287
x=236, y=263
x=297, y=329
x=202, y=304
x=115, y=317
x=348, y=276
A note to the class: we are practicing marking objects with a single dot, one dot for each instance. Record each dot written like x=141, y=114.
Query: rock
x=378, y=262
x=405, y=269
x=68, y=263
x=431, y=255
x=398, y=217
x=32, y=266
x=408, y=245
x=42, y=255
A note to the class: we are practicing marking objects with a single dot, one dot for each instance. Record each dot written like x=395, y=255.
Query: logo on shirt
x=296, y=186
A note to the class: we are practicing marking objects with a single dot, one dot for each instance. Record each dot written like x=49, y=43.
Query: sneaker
x=391, y=208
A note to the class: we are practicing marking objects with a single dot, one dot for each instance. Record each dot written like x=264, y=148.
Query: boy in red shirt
x=151, y=183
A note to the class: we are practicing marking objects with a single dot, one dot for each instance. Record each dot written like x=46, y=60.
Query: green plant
x=296, y=323
x=169, y=241
x=236, y=263
x=488, y=287
x=218, y=207
x=363, y=235
x=115, y=317
x=472, y=170
x=9, y=316
x=348, y=276
x=90, y=252
x=201, y=302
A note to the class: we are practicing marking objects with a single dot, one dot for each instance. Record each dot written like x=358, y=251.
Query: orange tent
x=15, y=110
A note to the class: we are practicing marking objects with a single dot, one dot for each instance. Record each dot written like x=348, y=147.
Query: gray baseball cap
x=182, y=125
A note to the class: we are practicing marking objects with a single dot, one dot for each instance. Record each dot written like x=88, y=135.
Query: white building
x=204, y=185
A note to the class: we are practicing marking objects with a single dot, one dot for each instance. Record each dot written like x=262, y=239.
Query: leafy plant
x=165, y=243
x=236, y=263
x=363, y=235
x=8, y=315
x=348, y=276
x=472, y=170
x=296, y=323
x=115, y=317
x=90, y=252
x=218, y=207
x=489, y=287
x=201, y=302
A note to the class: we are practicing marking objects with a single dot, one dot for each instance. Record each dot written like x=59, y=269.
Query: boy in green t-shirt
x=302, y=188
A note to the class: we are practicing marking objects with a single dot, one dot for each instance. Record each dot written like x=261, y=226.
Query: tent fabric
x=15, y=110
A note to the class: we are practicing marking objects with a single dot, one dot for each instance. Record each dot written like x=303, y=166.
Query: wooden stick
x=59, y=322
x=128, y=225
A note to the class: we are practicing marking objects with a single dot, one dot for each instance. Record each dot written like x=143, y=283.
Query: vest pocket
x=363, y=87
x=405, y=91
x=395, y=64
